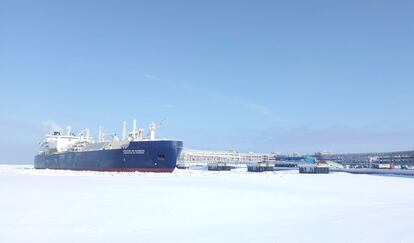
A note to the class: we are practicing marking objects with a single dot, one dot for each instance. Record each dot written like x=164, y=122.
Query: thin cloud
x=50, y=125
x=253, y=106
x=169, y=106
x=257, y=108
x=338, y=139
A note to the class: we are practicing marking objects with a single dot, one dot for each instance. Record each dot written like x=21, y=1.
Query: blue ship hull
x=144, y=156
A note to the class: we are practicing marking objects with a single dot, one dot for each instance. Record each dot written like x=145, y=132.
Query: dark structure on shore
x=397, y=158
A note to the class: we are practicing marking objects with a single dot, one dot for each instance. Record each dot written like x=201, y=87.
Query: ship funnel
x=152, y=128
x=100, y=134
x=134, y=129
x=124, y=131
x=68, y=129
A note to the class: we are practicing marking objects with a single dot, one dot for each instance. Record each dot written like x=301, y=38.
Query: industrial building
x=190, y=157
x=367, y=159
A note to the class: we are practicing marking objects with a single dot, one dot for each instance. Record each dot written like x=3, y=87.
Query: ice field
x=202, y=206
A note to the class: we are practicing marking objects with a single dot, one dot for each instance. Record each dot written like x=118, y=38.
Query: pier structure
x=205, y=157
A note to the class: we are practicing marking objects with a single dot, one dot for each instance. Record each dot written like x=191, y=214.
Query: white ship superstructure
x=57, y=141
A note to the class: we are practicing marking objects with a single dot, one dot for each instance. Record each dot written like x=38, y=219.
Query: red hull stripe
x=169, y=170
x=164, y=170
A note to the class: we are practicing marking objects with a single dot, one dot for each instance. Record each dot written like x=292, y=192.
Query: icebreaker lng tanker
x=134, y=152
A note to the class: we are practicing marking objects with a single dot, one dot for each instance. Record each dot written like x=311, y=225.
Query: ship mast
x=124, y=131
x=100, y=134
x=134, y=130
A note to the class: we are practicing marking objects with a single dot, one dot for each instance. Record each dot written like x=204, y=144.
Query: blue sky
x=291, y=76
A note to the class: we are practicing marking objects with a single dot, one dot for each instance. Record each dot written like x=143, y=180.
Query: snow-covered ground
x=202, y=206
